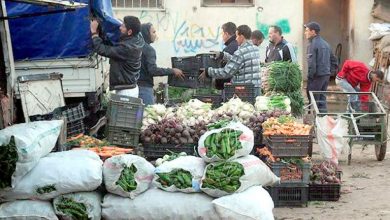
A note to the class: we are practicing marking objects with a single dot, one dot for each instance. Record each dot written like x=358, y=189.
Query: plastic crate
x=324, y=192
x=72, y=113
x=245, y=91
x=75, y=128
x=154, y=151
x=125, y=137
x=186, y=64
x=125, y=112
x=206, y=60
x=293, y=195
x=191, y=80
x=289, y=146
x=215, y=100
x=305, y=168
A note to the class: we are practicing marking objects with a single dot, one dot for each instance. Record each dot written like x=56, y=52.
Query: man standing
x=149, y=68
x=231, y=45
x=356, y=77
x=321, y=62
x=243, y=65
x=257, y=37
x=125, y=57
x=279, y=49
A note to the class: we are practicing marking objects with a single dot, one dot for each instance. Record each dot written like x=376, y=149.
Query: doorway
x=333, y=16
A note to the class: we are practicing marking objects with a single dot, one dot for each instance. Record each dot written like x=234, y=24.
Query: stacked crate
x=295, y=191
x=124, y=120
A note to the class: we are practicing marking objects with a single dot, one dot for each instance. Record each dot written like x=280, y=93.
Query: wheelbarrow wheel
x=380, y=151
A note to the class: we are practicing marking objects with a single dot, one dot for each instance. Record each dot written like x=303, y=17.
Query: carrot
x=105, y=154
x=108, y=148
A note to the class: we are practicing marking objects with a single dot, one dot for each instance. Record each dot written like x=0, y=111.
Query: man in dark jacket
x=278, y=49
x=125, y=57
x=149, y=67
x=231, y=45
x=321, y=62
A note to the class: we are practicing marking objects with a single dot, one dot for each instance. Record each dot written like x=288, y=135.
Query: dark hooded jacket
x=149, y=67
x=125, y=60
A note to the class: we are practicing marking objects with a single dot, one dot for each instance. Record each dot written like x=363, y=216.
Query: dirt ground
x=365, y=191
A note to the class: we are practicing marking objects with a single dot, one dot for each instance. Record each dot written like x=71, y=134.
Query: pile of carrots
x=102, y=148
x=273, y=127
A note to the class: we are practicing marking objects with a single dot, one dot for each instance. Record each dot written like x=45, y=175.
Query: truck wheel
x=380, y=151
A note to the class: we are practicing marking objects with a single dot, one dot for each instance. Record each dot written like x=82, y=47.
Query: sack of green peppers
x=181, y=174
x=127, y=175
x=228, y=177
x=21, y=147
x=227, y=141
x=78, y=206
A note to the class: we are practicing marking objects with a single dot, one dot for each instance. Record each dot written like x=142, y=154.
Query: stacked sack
x=45, y=185
x=177, y=185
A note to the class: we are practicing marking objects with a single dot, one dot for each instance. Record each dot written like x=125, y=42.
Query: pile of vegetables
x=172, y=131
x=279, y=102
x=108, y=151
x=126, y=180
x=72, y=209
x=265, y=72
x=170, y=157
x=224, y=176
x=324, y=173
x=223, y=144
x=194, y=112
x=292, y=169
x=85, y=141
x=285, y=125
x=266, y=156
x=236, y=108
x=8, y=158
x=286, y=78
x=155, y=113
x=180, y=178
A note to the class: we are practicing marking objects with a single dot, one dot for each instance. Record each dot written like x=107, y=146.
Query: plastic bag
x=112, y=170
x=253, y=203
x=330, y=136
x=378, y=30
x=157, y=204
x=33, y=141
x=246, y=139
x=59, y=173
x=27, y=210
x=255, y=173
x=194, y=165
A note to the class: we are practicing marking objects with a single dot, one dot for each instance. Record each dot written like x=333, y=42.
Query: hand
x=178, y=73
x=202, y=76
x=217, y=54
x=94, y=26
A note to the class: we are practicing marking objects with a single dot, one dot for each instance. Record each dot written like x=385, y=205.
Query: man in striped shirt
x=243, y=65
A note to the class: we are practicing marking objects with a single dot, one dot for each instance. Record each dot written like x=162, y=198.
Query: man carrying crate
x=243, y=65
x=355, y=76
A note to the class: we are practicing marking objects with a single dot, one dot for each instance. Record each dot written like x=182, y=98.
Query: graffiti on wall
x=284, y=24
x=185, y=36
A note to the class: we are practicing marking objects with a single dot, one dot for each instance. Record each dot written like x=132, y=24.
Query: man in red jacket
x=355, y=76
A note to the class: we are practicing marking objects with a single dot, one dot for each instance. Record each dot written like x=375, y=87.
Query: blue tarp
x=61, y=35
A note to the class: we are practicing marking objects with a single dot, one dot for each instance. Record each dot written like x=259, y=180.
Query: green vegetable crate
x=125, y=112
x=324, y=192
x=155, y=151
x=291, y=195
x=289, y=146
x=280, y=168
x=124, y=137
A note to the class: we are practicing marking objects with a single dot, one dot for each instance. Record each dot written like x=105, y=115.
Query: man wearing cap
x=321, y=62
x=125, y=57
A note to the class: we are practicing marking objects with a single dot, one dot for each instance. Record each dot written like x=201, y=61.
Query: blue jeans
x=319, y=83
x=146, y=94
x=346, y=87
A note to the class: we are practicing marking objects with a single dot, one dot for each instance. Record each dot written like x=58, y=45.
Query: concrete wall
x=360, y=18
x=187, y=28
